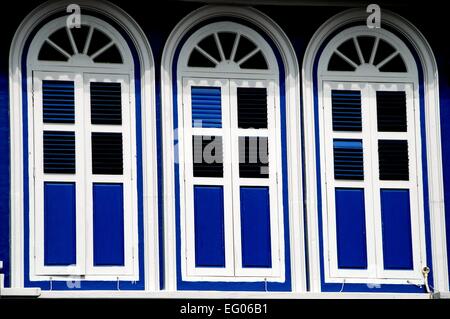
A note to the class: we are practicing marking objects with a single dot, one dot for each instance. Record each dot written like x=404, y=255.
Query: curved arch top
x=81, y=53
x=368, y=63
x=429, y=82
x=230, y=57
x=143, y=59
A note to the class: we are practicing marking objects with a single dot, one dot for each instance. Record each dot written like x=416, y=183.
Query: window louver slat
x=207, y=156
x=346, y=110
x=391, y=111
x=252, y=107
x=106, y=103
x=393, y=160
x=58, y=102
x=107, y=154
x=253, y=157
x=59, y=152
x=348, y=160
x=206, y=107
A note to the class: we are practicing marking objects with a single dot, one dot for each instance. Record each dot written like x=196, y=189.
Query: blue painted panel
x=108, y=225
x=396, y=219
x=4, y=176
x=255, y=227
x=209, y=226
x=59, y=224
x=58, y=101
x=351, y=228
x=206, y=107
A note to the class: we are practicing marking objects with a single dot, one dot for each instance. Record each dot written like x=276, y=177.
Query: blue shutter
x=108, y=225
x=346, y=109
x=252, y=107
x=59, y=152
x=348, y=159
x=393, y=160
x=209, y=226
x=391, y=111
x=106, y=103
x=59, y=224
x=255, y=227
x=206, y=107
x=204, y=147
x=396, y=222
x=351, y=228
x=107, y=154
x=58, y=102
x=253, y=157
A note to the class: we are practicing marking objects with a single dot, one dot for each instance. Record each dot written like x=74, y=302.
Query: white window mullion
x=373, y=206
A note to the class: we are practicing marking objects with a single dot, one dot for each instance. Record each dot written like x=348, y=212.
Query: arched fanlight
x=86, y=43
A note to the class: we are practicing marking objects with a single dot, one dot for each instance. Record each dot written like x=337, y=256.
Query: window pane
x=209, y=45
x=107, y=157
x=199, y=60
x=395, y=65
x=245, y=46
x=256, y=62
x=106, y=103
x=58, y=101
x=253, y=157
x=59, y=152
x=349, y=50
x=207, y=156
x=339, y=64
x=252, y=107
x=393, y=160
x=227, y=41
x=348, y=159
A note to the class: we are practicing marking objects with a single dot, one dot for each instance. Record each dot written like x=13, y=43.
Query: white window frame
x=372, y=186
x=231, y=182
x=231, y=73
x=81, y=71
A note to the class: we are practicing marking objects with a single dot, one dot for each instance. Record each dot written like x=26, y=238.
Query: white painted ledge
x=226, y=295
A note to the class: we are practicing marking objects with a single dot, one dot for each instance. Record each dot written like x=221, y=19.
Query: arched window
x=82, y=144
x=230, y=161
x=373, y=218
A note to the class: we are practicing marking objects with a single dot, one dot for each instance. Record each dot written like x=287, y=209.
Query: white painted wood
x=372, y=186
x=273, y=31
x=433, y=139
x=139, y=39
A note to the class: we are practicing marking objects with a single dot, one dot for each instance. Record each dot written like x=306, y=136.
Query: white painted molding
x=149, y=147
x=283, y=44
x=433, y=139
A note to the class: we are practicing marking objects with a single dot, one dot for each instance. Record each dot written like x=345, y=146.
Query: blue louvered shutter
x=346, y=110
x=252, y=108
x=59, y=152
x=348, y=159
x=106, y=103
x=391, y=111
x=206, y=107
x=58, y=99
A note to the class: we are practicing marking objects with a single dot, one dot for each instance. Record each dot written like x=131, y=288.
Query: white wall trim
x=433, y=139
x=293, y=135
x=150, y=186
